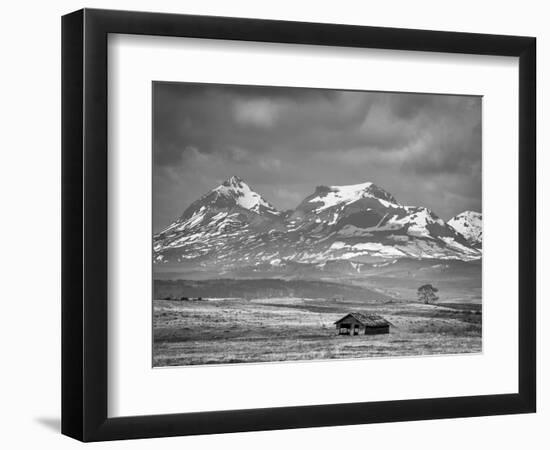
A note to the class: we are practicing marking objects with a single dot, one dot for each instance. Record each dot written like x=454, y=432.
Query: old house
x=356, y=323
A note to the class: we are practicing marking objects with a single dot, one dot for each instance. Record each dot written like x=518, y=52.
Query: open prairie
x=238, y=330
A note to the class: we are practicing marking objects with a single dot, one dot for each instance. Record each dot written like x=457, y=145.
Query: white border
x=135, y=388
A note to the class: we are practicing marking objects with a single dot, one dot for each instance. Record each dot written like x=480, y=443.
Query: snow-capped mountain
x=234, y=226
x=469, y=225
x=365, y=220
x=221, y=216
x=232, y=193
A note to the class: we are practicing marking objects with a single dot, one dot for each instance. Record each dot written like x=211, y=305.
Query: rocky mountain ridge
x=234, y=226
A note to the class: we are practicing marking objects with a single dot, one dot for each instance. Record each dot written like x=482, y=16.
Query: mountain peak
x=230, y=194
x=334, y=195
x=235, y=190
x=469, y=225
x=233, y=181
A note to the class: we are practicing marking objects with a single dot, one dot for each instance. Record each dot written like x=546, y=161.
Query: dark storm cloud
x=424, y=149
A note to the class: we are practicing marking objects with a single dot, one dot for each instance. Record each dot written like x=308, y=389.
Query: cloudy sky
x=423, y=149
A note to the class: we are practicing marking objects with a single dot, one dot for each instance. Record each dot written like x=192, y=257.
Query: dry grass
x=236, y=331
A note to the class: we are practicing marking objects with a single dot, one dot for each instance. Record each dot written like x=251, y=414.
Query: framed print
x=257, y=213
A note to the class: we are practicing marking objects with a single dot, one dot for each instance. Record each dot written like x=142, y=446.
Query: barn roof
x=369, y=320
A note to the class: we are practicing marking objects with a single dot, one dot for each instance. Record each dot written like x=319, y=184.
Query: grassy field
x=216, y=331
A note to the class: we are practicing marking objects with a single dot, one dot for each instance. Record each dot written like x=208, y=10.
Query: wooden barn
x=356, y=323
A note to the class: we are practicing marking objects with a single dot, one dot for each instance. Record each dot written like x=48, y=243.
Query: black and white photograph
x=295, y=224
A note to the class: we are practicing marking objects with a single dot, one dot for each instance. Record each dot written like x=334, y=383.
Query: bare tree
x=426, y=294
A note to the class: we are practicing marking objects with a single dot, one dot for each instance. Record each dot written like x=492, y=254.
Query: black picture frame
x=84, y=224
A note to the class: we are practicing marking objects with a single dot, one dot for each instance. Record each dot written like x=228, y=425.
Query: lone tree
x=426, y=294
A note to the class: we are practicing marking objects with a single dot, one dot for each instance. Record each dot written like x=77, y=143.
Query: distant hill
x=264, y=288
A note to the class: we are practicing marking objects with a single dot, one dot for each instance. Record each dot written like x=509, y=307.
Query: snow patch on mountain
x=456, y=245
x=419, y=221
x=469, y=225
